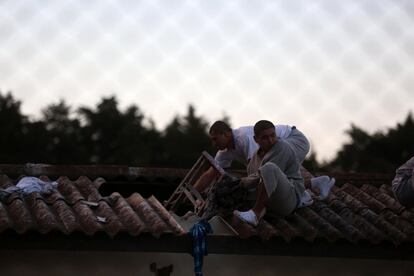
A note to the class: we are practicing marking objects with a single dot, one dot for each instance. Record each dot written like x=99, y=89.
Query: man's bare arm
x=205, y=179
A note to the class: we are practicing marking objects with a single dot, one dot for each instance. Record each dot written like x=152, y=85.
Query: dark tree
x=116, y=137
x=12, y=129
x=379, y=152
x=64, y=141
x=185, y=139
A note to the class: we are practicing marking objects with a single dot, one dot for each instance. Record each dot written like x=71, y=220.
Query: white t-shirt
x=245, y=146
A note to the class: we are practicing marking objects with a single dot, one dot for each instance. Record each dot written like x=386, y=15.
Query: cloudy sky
x=320, y=65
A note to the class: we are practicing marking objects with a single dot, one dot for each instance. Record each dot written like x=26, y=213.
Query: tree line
x=105, y=134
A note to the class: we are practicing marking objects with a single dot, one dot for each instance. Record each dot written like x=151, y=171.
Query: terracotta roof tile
x=354, y=218
x=77, y=206
x=385, y=198
x=306, y=230
x=285, y=229
x=20, y=218
x=347, y=229
x=360, y=195
x=166, y=216
x=152, y=220
x=127, y=215
x=66, y=216
x=361, y=203
x=325, y=228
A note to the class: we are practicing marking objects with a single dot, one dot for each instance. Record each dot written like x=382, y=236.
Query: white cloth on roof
x=30, y=184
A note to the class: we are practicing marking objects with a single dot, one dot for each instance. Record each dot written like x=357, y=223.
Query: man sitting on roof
x=239, y=144
x=403, y=184
x=281, y=187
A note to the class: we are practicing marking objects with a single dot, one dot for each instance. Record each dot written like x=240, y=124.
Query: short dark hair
x=262, y=125
x=219, y=127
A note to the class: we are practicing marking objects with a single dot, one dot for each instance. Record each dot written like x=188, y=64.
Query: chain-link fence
x=318, y=64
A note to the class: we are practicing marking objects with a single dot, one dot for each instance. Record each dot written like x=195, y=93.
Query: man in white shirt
x=239, y=144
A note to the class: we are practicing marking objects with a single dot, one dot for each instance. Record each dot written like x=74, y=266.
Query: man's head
x=265, y=135
x=221, y=135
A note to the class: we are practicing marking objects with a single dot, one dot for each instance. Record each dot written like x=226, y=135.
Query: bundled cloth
x=226, y=195
x=28, y=185
x=199, y=233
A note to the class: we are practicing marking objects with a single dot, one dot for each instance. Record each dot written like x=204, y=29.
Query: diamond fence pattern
x=318, y=64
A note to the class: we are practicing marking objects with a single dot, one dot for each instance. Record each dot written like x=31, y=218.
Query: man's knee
x=270, y=168
x=272, y=177
x=272, y=172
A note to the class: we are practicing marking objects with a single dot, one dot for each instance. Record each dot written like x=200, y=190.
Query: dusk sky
x=320, y=65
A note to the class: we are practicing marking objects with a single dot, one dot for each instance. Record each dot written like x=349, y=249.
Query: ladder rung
x=186, y=189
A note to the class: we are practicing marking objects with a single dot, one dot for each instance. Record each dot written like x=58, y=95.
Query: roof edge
x=171, y=243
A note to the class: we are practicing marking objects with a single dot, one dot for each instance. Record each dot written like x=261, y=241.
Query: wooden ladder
x=186, y=191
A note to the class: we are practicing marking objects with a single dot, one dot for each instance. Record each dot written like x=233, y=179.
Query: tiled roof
x=77, y=206
x=357, y=215
x=353, y=216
